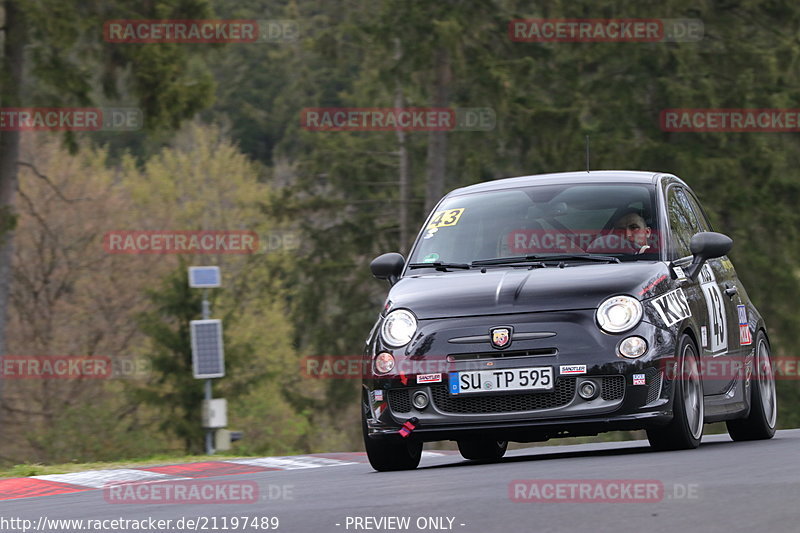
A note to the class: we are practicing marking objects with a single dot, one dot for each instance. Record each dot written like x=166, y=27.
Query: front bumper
x=523, y=416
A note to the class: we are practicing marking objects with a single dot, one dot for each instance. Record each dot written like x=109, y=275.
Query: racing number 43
x=445, y=218
x=716, y=314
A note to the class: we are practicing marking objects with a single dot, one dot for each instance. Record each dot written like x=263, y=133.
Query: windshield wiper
x=441, y=267
x=582, y=257
x=538, y=260
x=508, y=261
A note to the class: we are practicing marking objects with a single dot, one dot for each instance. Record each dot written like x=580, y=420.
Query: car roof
x=595, y=176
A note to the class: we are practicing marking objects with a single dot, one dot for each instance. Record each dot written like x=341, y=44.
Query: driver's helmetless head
x=634, y=228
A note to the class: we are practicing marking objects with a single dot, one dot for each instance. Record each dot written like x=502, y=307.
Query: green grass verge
x=26, y=470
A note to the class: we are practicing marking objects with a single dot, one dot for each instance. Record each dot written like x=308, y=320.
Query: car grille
x=612, y=388
x=654, y=388
x=542, y=352
x=399, y=400
x=561, y=395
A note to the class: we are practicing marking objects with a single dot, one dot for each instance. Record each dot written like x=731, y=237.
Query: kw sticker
x=672, y=307
x=745, y=338
x=446, y=218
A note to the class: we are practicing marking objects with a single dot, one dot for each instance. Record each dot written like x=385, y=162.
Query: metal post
x=206, y=309
x=209, y=432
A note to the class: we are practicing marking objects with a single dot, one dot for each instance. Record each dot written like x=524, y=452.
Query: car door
x=731, y=293
x=715, y=325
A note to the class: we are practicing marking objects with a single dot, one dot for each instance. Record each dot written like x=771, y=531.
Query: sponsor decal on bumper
x=566, y=370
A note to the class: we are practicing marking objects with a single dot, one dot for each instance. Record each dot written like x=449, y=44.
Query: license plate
x=510, y=379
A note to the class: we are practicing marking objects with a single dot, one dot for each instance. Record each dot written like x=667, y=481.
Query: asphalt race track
x=722, y=486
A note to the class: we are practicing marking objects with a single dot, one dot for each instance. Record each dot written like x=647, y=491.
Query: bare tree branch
x=49, y=182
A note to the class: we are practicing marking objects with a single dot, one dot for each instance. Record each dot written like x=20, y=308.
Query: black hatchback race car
x=563, y=305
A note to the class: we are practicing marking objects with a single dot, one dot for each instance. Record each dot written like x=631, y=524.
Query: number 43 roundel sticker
x=443, y=219
x=717, y=322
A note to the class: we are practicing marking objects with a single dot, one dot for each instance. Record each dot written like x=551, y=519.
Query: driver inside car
x=629, y=234
x=633, y=227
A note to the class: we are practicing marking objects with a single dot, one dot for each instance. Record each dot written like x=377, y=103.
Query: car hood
x=519, y=290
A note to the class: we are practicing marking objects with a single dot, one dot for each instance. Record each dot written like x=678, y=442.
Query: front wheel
x=760, y=423
x=389, y=455
x=685, y=430
x=483, y=449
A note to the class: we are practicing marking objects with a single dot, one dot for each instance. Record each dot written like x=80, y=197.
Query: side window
x=682, y=222
x=705, y=225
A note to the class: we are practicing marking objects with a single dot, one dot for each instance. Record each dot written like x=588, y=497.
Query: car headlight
x=384, y=363
x=399, y=327
x=633, y=347
x=619, y=313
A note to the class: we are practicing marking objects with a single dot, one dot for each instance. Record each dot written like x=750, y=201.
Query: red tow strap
x=408, y=426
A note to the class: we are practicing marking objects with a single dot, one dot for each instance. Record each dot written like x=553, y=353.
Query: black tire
x=387, y=455
x=760, y=423
x=486, y=450
x=685, y=431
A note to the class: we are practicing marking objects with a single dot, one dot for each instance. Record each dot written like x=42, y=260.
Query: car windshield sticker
x=430, y=258
x=745, y=338
x=446, y=218
x=672, y=307
x=679, y=275
x=717, y=322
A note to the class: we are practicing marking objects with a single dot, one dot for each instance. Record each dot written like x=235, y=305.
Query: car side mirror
x=704, y=246
x=388, y=267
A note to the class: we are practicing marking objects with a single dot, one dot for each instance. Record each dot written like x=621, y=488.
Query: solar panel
x=205, y=277
x=208, y=357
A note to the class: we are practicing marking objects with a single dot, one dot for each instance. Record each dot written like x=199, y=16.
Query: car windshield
x=566, y=220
